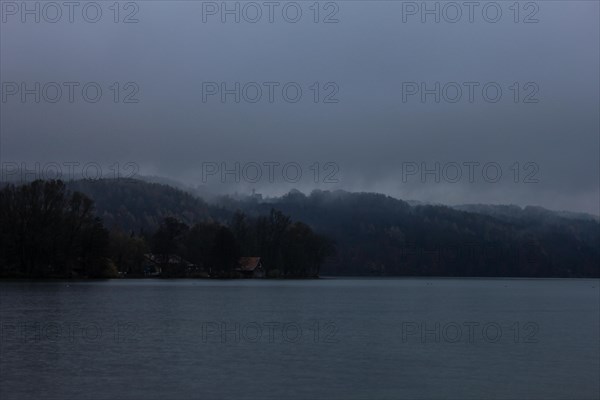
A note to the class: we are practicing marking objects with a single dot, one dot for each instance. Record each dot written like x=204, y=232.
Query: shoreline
x=327, y=277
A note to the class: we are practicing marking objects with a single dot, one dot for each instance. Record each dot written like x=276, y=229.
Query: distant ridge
x=383, y=236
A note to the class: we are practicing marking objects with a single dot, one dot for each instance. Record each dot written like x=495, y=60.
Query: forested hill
x=530, y=213
x=378, y=235
x=139, y=206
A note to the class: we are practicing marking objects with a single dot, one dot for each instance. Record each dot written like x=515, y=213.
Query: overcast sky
x=365, y=123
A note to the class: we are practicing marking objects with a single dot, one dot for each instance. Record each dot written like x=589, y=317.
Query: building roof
x=249, y=263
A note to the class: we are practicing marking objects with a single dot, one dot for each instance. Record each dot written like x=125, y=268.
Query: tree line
x=378, y=235
x=286, y=248
x=374, y=235
x=48, y=231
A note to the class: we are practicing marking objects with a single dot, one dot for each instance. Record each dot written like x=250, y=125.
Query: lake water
x=312, y=339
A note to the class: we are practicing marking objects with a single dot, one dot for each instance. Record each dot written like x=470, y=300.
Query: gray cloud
x=371, y=134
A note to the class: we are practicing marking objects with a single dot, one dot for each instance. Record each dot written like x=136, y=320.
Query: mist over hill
x=382, y=236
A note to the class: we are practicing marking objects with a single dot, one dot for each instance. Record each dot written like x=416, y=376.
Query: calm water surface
x=314, y=339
